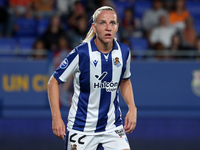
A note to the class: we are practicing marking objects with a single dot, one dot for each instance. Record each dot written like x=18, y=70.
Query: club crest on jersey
x=196, y=82
x=64, y=63
x=74, y=147
x=117, y=62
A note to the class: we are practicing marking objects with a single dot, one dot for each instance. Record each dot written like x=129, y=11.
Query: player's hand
x=58, y=128
x=130, y=120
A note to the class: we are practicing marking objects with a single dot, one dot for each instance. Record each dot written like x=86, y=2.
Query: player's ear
x=94, y=28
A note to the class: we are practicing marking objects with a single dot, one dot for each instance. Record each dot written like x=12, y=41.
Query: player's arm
x=127, y=93
x=58, y=125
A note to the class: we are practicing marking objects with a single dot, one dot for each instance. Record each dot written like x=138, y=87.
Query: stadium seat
x=27, y=27
x=121, y=6
x=25, y=45
x=7, y=44
x=138, y=47
x=194, y=8
x=140, y=7
x=138, y=43
x=42, y=25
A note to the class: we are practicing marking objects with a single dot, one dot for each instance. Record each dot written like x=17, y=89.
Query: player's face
x=106, y=26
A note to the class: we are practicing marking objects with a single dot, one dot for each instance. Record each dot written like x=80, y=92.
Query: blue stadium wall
x=167, y=95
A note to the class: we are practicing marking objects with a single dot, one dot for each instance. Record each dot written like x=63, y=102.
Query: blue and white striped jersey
x=97, y=76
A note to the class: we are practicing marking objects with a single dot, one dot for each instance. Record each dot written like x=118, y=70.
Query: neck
x=102, y=46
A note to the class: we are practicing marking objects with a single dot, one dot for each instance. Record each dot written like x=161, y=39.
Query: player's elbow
x=52, y=82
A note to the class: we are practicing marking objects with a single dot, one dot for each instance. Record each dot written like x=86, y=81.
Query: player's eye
x=102, y=23
x=113, y=23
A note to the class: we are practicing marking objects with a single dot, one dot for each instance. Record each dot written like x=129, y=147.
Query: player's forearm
x=53, y=95
x=127, y=93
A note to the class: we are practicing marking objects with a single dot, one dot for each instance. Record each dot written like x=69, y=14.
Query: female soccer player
x=101, y=66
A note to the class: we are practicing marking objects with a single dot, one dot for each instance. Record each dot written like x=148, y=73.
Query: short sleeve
x=127, y=73
x=67, y=67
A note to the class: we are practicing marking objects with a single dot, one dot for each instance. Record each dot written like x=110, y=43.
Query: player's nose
x=108, y=27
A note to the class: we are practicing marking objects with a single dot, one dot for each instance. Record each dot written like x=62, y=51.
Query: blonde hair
x=91, y=33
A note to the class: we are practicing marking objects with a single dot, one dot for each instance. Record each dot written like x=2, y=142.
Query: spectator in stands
x=39, y=50
x=19, y=7
x=189, y=34
x=176, y=47
x=79, y=32
x=151, y=17
x=63, y=7
x=159, y=51
x=24, y=26
x=197, y=44
x=62, y=51
x=43, y=8
x=179, y=14
x=128, y=24
x=77, y=13
x=168, y=5
x=92, y=5
x=53, y=33
x=162, y=34
x=176, y=43
x=127, y=42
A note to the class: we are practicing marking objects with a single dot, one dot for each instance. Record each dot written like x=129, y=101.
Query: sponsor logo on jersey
x=95, y=62
x=196, y=82
x=101, y=76
x=120, y=132
x=109, y=86
x=64, y=63
x=117, y=62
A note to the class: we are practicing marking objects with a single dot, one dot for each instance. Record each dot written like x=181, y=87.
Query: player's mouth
x=108, y=35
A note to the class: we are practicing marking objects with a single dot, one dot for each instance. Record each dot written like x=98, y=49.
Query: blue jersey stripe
x=118, y=120
x=105, y=96
x=84, y=80
x=100, y=147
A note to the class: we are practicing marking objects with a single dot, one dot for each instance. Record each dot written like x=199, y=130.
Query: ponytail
x=89, y=35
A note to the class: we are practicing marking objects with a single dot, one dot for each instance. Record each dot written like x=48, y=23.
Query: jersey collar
x=94, y=47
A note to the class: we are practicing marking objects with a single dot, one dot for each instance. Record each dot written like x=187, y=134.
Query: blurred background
x=164, y=37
